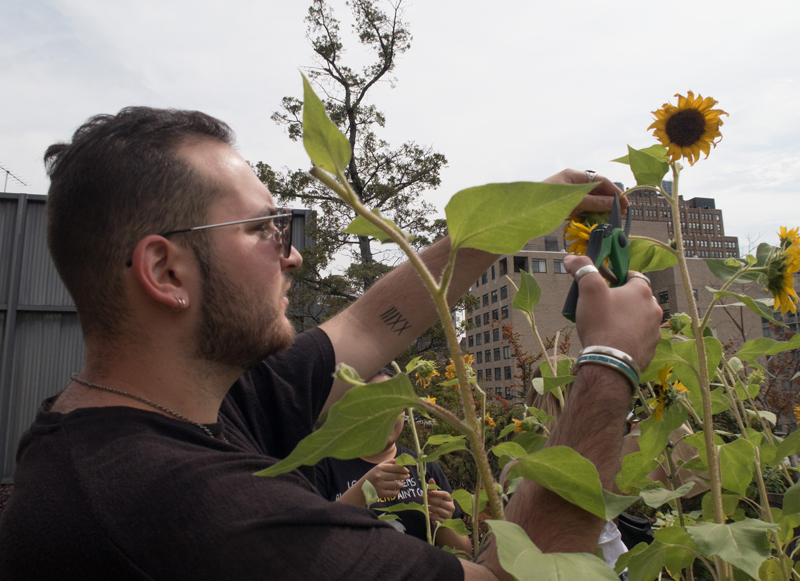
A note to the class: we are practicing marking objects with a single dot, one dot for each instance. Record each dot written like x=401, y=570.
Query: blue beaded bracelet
x=612, y=363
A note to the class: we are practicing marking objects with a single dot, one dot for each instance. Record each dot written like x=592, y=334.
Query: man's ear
x=162, y=270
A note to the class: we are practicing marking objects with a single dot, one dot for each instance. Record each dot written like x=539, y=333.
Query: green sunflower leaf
x=646, y=256
x=736, y=464
x=677, y=549
x=509, y=448
x=440, y=439
x=501, y=218
x=401, y=507
x=369, y=492
x=790, y=445
x=357, y=425
x=757, y=307
x=633, y=475
x=791, y=499
x=444, y=449
x=766, y=346
x=742, y=544
x=323, y=142
x=725, y=272
x=646, y=564
x=529, y=293
x=655, y=435
x=363, y=227
x=521, y=559
x=647, y=169
x=455, y=524
x=658, y=151
x=655, y=497
x=405, y=460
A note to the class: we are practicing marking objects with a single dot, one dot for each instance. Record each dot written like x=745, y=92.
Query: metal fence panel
x=48, y=348
x=40, y=283
x=8, y=213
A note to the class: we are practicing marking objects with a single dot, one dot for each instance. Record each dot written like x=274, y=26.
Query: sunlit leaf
x=401, y=507
x=791, y=499
x=509, y=448
x=658, y=496
x=358, y=425
x=440, y=439
x=646, y=256
x=723, y=271
x=444, y=449
x=757, y=307
x=658, y=151
x=455, y=524
x=529, y=292
x=742, y=544
x=616, y=504
x=405, y=460
x=521, y=559
x=324, y=143
x=766, y=346
x=677, y=544
x=363, y=227
x=633, y=474
x=501, y=218
x=369, y=492
x=655, y=435
x=646, y=564
x=531, y=441
x=647, y=169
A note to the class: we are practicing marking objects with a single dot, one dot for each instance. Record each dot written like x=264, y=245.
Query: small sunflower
x=690, y=128
x=667, y=394
x=426, y=371
x=797, y=413
x=450, y=370
x=518, y=429
x=489, y=421
x=429, y=399
x=578, y=234
x=781, y=265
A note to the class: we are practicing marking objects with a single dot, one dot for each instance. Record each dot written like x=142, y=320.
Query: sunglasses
x=282, y=223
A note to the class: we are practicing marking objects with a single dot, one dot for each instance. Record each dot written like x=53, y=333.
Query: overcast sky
x=513, y=92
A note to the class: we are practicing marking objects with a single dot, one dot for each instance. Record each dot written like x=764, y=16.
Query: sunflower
x=797, y=413
x=450, y=370
x=578, y=234
x=689, y=128
x=667, y=394
x=781, y=265
x=518, y=429
x=429, y=399
x=426, y=371
x=489, y=421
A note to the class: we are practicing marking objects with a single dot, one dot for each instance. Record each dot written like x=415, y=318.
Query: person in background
x=342, y=481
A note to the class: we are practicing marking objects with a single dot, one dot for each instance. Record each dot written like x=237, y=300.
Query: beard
x=234, y=330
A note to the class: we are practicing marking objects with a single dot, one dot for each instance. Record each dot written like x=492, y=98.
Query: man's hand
x=626, y=318
x=440, y=504
x=387, y=478
x=599, y=199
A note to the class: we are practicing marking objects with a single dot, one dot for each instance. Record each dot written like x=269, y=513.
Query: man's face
x=243, y=271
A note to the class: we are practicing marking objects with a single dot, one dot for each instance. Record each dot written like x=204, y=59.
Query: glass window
x=507, y=371
x=506, y=352
x=486, y=300
x=484, y=278
x=480, y=373
x=478, y=339
x=495, y=315
x=504, y=312
x=503, y=266
x=479, y=357
x=478, y=282
x=494, y=297
x=497, y=373
x=495, y=335
x=498, y=390
x=520, y=263
x=497, y=353
x=485, y=318
x=488, y=355
x=470, y=341
x=538, y=265
x=478, y=321
x=493, y=272
x=508, y=393
x=663, y=297
x=551, y=244
x=486, y=337
x=503, y=292
x=558, y=267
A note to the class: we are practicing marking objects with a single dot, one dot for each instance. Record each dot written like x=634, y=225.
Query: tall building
x=544, y=256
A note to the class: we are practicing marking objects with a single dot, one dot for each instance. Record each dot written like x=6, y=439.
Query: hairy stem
x=421, y=474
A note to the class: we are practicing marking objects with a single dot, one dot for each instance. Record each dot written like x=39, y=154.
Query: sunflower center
x=686, y=127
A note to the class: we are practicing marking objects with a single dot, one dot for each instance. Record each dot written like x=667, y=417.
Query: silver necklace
x=76, y=377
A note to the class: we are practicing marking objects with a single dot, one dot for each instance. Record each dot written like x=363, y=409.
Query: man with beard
x=142, y=467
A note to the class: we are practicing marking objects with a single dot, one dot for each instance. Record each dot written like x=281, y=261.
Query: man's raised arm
x=398, y=308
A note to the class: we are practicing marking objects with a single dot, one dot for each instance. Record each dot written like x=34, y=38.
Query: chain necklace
x=79, y=379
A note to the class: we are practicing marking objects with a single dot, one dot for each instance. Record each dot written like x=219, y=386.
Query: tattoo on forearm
x=480, y=557
x=395, y=320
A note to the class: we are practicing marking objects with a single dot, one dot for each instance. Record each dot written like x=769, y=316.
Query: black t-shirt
x=121, y=493
x=334, y=477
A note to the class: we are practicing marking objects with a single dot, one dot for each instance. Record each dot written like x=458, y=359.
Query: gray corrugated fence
x=40, y=335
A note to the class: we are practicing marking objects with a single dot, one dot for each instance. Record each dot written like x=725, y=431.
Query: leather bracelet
x=611, y=363
x=611, y=352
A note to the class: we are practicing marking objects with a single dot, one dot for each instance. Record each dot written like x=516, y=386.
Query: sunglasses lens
x=286, y=233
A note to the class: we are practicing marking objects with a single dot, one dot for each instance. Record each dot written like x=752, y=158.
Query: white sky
x=513, y=92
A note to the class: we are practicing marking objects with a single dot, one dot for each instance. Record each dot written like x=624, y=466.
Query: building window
x=494, y=297
x=506, y=352
x=507, y=371
x=495, y=334
x=503, y=266
x=538, y=265
x=497, y=353
x=694, y=292
x=470, y=341
x=488, y=353
x=498, y=374
x=558, y=267
x=664, y=318
x=486, y=319
x=484, y=278
x=508, y=393
x=663, y=297
x=486, y=300
x=498, y=391
x=495, y=315
x=503, y=293
x=480, y=373
x=493, y=272
x=478, y=282
x=479, y=357
x=478, y=339
x=503, y=312
x=520, y=263
x=486, y=337
x=478, y=321
x=767, y=332
x=551, y=244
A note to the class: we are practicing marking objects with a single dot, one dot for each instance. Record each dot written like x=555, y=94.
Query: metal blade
x=627, y=229
x=615, y=219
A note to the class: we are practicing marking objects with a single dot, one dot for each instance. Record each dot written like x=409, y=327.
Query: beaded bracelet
x=612, y=363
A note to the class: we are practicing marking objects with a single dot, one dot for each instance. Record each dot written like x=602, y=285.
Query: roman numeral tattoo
x=394, y=319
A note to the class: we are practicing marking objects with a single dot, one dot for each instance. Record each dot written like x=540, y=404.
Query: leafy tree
x=390, y=180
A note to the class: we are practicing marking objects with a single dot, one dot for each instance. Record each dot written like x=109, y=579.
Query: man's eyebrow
x=266, y=211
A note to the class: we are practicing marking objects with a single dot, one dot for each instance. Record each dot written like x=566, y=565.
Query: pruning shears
x=606, y=241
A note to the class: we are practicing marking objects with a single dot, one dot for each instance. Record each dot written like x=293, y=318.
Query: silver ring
x=584, y=270
x=632, y=274
x=590, y=174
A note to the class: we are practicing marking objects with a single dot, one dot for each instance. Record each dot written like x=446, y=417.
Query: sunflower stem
x=655, y=242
